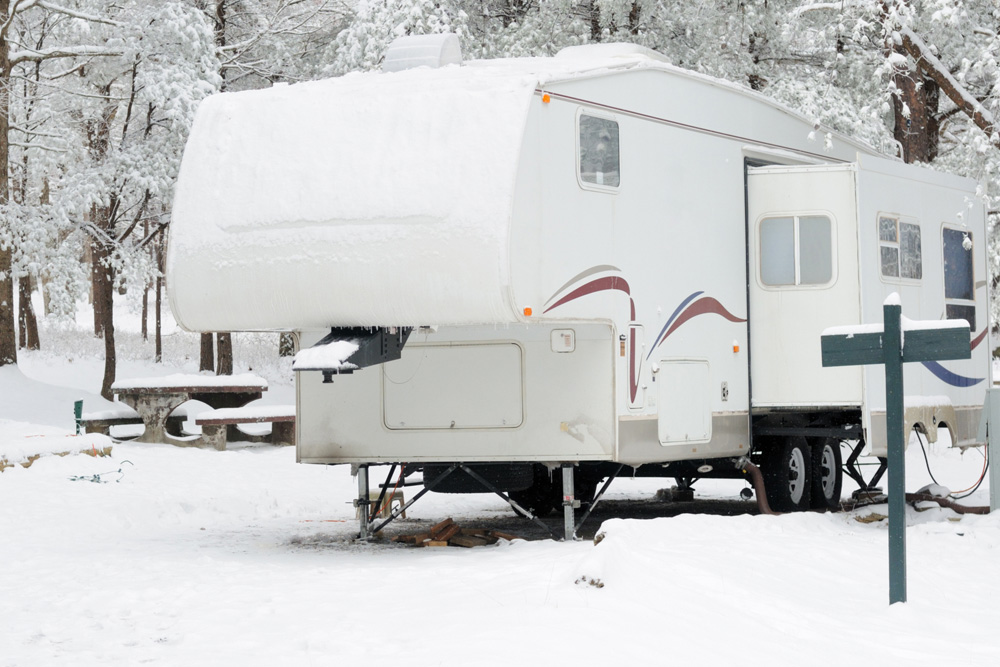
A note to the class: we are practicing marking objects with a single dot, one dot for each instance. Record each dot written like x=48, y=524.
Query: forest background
x=97, y=98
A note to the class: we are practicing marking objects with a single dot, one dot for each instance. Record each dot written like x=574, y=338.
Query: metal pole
x=569, y=500
x=989, y=432
x=893, y=349
x=363, y=500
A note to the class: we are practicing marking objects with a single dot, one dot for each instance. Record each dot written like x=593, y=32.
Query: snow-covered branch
x=930, y=65
x=52, y=7
x=822, y=7
x=41, y=147
x=32, y=55
x=21, y=6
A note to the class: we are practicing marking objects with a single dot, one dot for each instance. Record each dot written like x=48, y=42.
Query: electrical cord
x=969, y=491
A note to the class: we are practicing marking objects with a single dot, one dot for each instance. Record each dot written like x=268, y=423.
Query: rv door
x=803, y=256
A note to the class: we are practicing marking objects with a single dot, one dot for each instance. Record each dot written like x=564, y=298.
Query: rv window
x=959, y=283
x=599, y=155
x=796, y=250
x=899, y=248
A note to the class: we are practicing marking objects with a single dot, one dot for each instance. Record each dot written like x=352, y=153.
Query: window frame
x=795, y=216
x=898, y=244
x=587, y=185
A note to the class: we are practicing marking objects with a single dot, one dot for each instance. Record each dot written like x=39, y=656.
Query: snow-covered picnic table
x=154, y=398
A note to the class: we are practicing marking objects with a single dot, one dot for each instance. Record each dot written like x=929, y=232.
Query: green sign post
x=894, y=346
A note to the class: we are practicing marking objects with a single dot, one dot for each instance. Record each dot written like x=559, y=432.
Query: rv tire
x=827, y=474
x=539, y=498
x=787, y=468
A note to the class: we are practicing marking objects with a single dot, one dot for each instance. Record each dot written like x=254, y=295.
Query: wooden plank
x=435, y=543
x=468, y=541
x=448, y=533
x=852, y=349
x=221, y=421
x=438, y=527
x=936, y=344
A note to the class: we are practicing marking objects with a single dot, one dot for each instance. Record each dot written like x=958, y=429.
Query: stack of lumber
x=448, y=533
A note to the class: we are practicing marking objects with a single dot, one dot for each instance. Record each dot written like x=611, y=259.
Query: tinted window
x=958, y=281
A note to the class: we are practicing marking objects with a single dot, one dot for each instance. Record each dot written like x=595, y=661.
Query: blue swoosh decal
x=671, y=321
x=954, y=379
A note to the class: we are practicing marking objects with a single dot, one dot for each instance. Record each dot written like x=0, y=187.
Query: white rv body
x=559, y=314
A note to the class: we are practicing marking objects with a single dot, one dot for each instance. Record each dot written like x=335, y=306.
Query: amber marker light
x=546, y=99
x=527, y=312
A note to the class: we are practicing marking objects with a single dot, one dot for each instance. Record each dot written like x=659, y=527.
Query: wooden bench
x=122, y=415
x=220, y=426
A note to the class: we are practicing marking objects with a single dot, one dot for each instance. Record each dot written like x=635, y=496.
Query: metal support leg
x=363, y=501
x=527, y=513
x=381, y=496
x=569, y=502
x=597, y=498
x=428, y=486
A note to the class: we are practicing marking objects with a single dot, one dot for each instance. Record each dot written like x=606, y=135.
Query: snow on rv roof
x=281, y=191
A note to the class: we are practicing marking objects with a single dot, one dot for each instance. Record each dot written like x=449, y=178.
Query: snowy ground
x=187, y=556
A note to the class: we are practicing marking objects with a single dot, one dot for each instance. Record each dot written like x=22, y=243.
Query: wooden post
x=892, y=347
x=893, y=350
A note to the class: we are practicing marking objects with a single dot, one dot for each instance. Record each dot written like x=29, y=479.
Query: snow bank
x=366, y=200
x=21, y=441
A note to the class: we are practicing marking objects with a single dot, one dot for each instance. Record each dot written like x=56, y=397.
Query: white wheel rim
x=796, y=475
x=828, y=472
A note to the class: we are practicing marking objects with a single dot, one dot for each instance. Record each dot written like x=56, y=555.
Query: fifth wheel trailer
x=585, y=261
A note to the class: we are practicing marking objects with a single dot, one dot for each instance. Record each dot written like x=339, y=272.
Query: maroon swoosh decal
x=978, y=339
x=599, y=285
x=633, y=381
x=702, y=306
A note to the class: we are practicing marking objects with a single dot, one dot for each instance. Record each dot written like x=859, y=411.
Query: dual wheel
x=802, y=474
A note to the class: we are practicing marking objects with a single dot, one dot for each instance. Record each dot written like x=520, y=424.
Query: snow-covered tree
x=362, y=45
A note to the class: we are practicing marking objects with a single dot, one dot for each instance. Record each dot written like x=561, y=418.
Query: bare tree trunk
x=207, y=353
x=915, y=112
x=97, y=273
x=27, y=323
x=8, y=337
x=158, y=334
x=159, y=299
x=595, y=22
x=225, y=343
x=145, y=311
x=286, y=345
x=104, y=303
x=145, y=290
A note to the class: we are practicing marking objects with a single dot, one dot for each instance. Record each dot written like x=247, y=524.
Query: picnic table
x=154, y=398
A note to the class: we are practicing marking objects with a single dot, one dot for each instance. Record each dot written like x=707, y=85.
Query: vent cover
x=423, y=51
